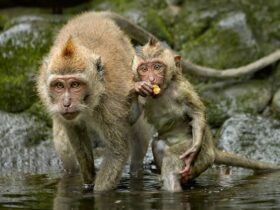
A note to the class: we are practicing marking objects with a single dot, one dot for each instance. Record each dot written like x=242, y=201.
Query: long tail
x=135, y=32
x=232, y=159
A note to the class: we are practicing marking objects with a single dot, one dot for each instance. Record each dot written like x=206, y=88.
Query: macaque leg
x=81, y=144
x=171, y=166
x=114, y=159
x=158, y=149
x=141, y=135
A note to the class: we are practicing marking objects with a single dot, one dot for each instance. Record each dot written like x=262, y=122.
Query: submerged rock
x=255, y=137
x=25, y=145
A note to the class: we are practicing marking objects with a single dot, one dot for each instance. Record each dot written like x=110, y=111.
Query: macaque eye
x=75, y=84
x=59, y=85
x=157, y=66
x=143, y=68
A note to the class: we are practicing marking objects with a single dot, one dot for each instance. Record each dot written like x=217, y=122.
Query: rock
x=224, y=101
x=238, y=23
x=255, y=137
x=26, y=146
x=228, y=34
x=222, y=44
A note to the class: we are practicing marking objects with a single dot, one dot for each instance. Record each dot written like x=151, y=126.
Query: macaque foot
x=87, y=188
x=171, y=182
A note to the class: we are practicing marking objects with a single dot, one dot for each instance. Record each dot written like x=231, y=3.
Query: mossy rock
x=144, y=13
x=225, y=101
x=226, y=34
x=275, y=104
x=229, y=43
x=23, y=45
x=3, y=22
x=39, y=111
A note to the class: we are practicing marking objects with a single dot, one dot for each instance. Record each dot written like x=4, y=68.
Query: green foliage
x=23, y=46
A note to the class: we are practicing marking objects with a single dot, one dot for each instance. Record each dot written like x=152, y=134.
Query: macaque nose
x=152, y=78
x=67, y=103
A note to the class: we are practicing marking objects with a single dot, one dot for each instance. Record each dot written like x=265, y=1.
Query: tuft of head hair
x=68, y=58
x=68, y=49
x=151, y=50
x=152, y=42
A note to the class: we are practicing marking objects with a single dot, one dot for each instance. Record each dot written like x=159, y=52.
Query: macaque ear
x=152, y=42
x=177, y=60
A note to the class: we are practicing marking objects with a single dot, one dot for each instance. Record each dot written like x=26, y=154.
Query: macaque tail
x=232, y=159
x=132, y=30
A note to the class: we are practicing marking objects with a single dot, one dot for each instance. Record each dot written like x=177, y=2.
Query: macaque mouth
x=70, y=115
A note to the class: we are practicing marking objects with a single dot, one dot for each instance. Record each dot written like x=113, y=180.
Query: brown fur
x=178, y=116
x=93, y=47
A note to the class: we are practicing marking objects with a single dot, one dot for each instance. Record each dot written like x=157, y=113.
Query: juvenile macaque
x=184, y=147
x=84, y=84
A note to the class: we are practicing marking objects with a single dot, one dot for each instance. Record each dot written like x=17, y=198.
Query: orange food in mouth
x=156, y=89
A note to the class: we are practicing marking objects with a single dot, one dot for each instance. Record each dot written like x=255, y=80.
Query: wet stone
x=255, y=137
x=26, y=145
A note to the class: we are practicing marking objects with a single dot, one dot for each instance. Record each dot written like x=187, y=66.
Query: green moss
x=157, y=26
x=125, y=5
x=215, y=114
x=219, y=49
x=38, y=110
x=23, y=46
x=222, y=102
x=3, y=22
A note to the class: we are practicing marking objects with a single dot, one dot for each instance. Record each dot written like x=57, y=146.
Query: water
x=30, y=176
x=218, y=188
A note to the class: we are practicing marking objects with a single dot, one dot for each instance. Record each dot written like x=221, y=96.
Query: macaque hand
x=188, y=157
x=143, y=88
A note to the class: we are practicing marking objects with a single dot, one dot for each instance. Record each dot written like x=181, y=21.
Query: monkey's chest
x=166, y=115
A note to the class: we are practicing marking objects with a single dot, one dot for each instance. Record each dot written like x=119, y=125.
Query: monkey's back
x=103, y=37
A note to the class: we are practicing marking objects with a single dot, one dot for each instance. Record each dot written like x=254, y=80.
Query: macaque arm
x=80, y=142
x=198, y=124
x=189, y=155
x=115, y=156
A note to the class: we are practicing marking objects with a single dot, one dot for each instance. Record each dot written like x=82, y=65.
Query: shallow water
x=218, y=188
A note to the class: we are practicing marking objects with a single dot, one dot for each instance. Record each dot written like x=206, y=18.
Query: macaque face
x=68, y=93
x=152, y=71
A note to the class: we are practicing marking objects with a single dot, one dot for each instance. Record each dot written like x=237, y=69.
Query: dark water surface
x=218, y=188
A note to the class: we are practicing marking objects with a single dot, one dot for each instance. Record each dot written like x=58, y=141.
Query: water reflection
x=216, y=189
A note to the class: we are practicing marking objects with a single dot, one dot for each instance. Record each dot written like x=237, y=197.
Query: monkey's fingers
x=186, y=171
x=147, y=88
x=143, y=88
x=190, y=152
x=143, y=92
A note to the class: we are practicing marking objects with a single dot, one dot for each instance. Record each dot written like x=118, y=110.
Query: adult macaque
x=84, y=84
x=184, y=148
